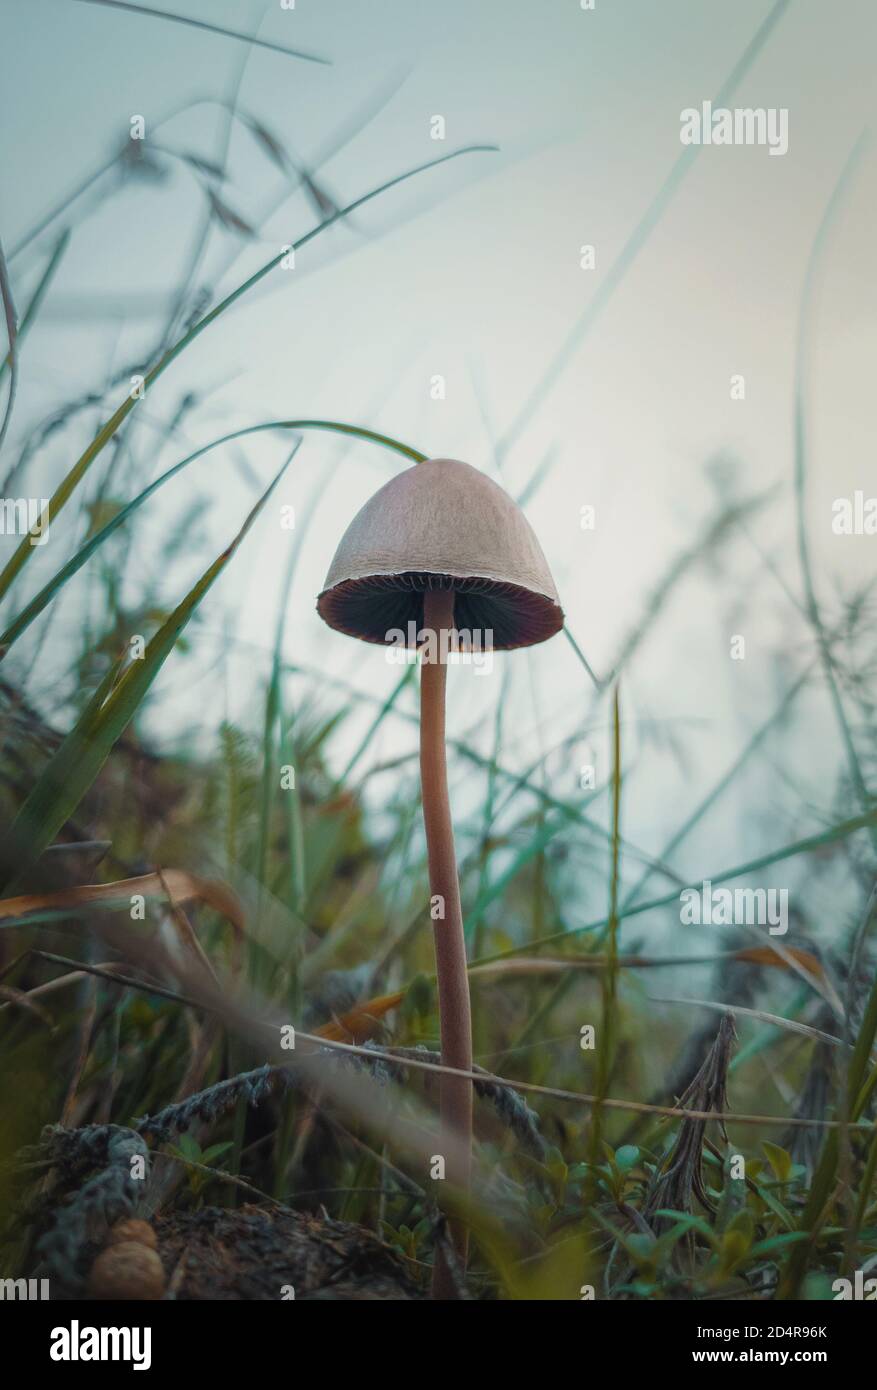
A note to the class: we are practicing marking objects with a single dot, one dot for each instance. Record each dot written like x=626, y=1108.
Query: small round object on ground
x=132, y=1229
x=127, y=1271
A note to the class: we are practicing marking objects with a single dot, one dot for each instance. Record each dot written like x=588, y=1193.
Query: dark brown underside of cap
x=370, y=608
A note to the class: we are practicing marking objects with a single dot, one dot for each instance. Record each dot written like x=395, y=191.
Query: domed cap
x=441, y=524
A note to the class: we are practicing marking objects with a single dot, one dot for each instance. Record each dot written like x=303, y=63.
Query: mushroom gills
x=506, y=615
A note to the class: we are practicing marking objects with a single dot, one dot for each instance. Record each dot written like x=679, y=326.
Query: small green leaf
x=214, y=1151
x=627, y=1157
x=190, y=1148
x=780, y=1160
x=766, y=1247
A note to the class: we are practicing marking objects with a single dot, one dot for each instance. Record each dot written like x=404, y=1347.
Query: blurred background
x=471, y=273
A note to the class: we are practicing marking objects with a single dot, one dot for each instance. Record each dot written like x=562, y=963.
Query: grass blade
x=12, y=339
x=639, y=236
x=80, y=468
x=80, y=757
x=837, y=832
x=835, y=202
x=75, y=563
x=38, y=296
x=609, y=980
x=209, y=28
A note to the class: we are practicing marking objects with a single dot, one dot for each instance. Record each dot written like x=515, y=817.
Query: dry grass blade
x=800, y=962
x=680, y=1180
x=186, y=932
x=61, y=982
x=755, y=955
x=790, y=1024
x=362, y=1022
x=23, y=999
x=247, y=1019
x=177, y=885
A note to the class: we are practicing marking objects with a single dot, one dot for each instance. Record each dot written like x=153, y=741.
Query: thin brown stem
x=450, y=945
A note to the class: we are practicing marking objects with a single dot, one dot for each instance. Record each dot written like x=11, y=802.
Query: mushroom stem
x=450, y=944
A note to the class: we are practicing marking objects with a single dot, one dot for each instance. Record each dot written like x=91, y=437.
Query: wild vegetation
x=168, y=912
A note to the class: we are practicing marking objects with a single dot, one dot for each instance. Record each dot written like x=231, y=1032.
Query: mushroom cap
x=441, y=524
x=127, y=1271
x=130, y=1229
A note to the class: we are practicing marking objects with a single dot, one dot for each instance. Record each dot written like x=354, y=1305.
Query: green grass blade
x=638, y=237
x=820, y=241
x=69, y=484
x=403, y=682
x=80, y=757
x=724, y=781
x=33, y=609
x=609, y=979
x=38, y=296
x=11, y=319
x=499, y=885
x=837, y=832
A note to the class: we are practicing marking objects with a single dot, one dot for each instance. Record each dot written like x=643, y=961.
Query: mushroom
x=442, y=559
x=127, y=1270
x=133, y=1230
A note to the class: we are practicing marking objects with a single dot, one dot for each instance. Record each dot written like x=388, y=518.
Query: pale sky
x=472, y=273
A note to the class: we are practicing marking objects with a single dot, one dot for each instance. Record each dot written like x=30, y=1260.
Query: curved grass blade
x=724, y=781
x=75, y=563
x=69, y=484
x=80, y=757
x=11, y=318
x=834, y=833
x=148, y=13
x=175, y=885
x=38, y=296
x=638, y=237
x=186, y=108
x=738, y=1010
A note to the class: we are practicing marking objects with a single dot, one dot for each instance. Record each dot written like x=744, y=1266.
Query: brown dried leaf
x=360, y=1023
x=177, y=884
